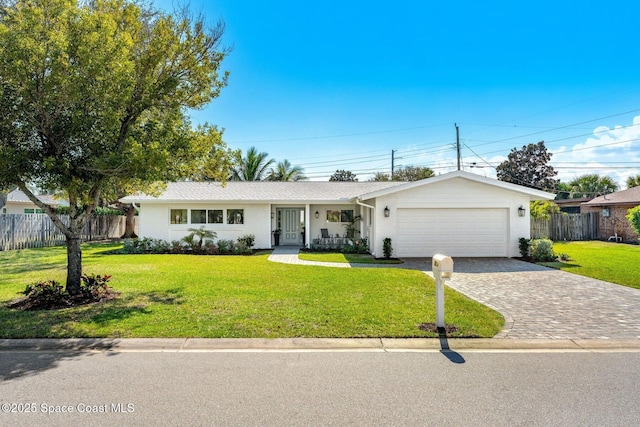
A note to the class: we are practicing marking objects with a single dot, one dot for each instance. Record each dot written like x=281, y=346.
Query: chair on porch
x=324, y=233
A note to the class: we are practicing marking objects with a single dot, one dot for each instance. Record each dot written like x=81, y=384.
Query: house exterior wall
x=18, y=208
x=615, y=223
x=457, y=193
x=333, y=228
x=155, y=222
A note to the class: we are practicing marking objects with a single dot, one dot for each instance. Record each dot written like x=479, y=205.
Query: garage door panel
x=455, y=232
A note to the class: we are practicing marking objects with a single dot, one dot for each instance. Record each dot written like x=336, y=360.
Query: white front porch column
x=307, y=224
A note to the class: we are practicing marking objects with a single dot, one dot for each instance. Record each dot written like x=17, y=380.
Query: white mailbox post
x=442, y=267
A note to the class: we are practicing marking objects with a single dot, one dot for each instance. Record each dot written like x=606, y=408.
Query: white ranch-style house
x=458, y=213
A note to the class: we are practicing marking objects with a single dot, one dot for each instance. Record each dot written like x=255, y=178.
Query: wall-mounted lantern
x=387, y=212
x=606, y=212
x=317, y=215
x=521, y=211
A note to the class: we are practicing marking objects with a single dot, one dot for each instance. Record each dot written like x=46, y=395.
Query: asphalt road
x=320, y=388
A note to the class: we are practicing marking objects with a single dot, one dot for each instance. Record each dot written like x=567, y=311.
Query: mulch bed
x=29, y=304
x=431, y=327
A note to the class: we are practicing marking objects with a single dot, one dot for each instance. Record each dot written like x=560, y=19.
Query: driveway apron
x=536, y=302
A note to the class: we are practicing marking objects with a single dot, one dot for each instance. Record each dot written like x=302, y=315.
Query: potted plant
x=276, y=236
x=350, y=227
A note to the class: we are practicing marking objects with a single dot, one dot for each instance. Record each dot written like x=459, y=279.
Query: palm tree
x=253, y=167
x=633, y=181
x=591, y=185
x=285, y=172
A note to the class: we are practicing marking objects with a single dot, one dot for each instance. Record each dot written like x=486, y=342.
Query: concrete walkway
x=536, y=302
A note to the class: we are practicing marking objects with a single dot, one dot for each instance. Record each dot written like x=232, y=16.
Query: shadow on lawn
x=80, y=321
x=170, y=296
x=27, y=354
x=25, y=266
x=136, y=305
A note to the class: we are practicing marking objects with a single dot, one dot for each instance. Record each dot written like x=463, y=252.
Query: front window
x=235, y=216
x=215, y=216
x=345, y=215
x=178, y=216
x=198, y=216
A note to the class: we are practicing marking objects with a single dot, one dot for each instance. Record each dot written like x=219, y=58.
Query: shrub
x=226, y=246
x=46, y=294
x=95, y=288
x=176, y=247
x=129, y=246
x=51, y=294
x=542, y=250
x=387, y=249
x=202, y=235
x=349, y=248
x=633, y=215
x=146, y=245
x=360, y=246
x=524, y=245
x=158, y=246
x=245, y=243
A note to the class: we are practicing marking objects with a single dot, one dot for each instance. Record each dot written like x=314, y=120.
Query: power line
x=560, y=127
x=309, y=138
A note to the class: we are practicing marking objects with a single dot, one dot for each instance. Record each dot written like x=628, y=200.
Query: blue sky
x=340, y=84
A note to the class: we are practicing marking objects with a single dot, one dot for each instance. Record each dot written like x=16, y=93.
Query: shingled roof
x=262, y=191
x=630, y=196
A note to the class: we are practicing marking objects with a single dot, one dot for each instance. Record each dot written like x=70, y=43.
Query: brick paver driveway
x=539, y=302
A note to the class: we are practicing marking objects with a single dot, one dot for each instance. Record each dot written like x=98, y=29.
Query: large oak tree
x=529, y=166
x=93, y=101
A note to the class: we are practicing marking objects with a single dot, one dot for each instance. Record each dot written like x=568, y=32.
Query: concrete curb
x=80, y=345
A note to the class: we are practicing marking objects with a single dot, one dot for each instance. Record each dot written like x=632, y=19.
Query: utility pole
x=458, y=144
x=392, y=163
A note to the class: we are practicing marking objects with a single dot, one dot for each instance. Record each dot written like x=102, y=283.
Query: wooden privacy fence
x=583, y=226
x=37, y=230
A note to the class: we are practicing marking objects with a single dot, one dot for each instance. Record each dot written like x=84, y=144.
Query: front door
x=291, y=226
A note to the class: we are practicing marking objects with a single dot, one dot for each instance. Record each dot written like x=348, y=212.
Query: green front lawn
x=612, y=262
x=233, y=296
x=345, y=258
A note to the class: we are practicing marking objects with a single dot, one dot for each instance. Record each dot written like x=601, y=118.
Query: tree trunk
x=72, y=233
x=130, y=232
x=74, y=265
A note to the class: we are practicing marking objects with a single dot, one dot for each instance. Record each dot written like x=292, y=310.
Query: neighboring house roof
x=531, y=192
x=262, y=191
x=630, y=196
x=571, y=202
x=308, y=191
x=17, y=196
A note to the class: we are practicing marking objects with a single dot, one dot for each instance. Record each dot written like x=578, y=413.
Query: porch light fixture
x=606, y=212
x=387, y=212
x=521, y=211
x=317, y=214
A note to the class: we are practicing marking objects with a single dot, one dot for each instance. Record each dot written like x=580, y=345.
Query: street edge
x=313, y=344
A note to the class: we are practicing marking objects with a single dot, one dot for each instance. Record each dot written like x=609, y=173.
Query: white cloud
x=613, y=152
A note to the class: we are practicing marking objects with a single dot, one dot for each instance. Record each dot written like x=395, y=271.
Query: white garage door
x=454, y=232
